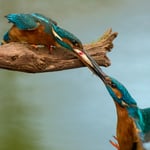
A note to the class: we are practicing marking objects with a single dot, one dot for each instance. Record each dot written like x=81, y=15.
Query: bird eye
x=113, y=85
x=75, y=43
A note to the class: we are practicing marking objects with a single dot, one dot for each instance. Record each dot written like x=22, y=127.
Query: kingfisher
x=36, y=29
x=133, y=123
x=31, y=28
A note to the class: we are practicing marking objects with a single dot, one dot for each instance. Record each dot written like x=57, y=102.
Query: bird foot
x=51, y=47
x=114, y=144
x=36, y=46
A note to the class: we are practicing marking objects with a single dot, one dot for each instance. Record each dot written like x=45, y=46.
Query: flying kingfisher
x=133, y=123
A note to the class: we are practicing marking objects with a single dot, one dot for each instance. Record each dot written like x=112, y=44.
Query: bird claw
x=51, y=47
x=36, y=46
x=114, y=144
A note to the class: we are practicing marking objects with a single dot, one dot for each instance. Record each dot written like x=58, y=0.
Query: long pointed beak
x=91, y=64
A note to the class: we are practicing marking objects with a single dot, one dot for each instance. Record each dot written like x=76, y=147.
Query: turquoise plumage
x=146, y=126
x=36, y=29
x=133, y=123
x=29, y=21
x=6, y=37
x=23, y=22
x=125, y=95
x=141, y=117
x=31, y=28
x=64, y=35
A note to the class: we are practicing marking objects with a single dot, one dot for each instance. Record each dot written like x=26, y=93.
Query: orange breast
x=37, y=36
x=127, y=133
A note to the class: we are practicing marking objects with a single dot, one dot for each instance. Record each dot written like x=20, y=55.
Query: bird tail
x=2, y=42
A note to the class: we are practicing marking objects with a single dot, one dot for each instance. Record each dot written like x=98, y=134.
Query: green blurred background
x=71, y=110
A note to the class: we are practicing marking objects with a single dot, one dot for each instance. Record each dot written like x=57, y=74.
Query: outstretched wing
x=23, y=21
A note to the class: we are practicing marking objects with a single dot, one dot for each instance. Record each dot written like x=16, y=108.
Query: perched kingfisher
x=36, y=29
x=133, y=123
x=32, y=28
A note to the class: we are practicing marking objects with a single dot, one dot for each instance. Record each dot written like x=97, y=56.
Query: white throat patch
x=56, y=35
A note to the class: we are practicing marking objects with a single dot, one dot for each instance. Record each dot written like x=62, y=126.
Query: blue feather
x=23, y=21
x=6, y=37
x=62, y=33
x=141, y=117
x=44, y=18
x=126, y=97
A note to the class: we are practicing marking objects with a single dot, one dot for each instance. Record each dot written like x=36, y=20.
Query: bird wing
x=23, y=21
x=44, y=18
x=146, y=119
x=62, y=33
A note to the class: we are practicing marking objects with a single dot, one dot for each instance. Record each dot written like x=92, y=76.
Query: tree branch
x=24, y=58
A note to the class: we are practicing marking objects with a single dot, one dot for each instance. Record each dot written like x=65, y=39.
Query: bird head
x=69, y=41
x=118, y=91
x=66, y=39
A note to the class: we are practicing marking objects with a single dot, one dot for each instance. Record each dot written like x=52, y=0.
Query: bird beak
x=91, y=63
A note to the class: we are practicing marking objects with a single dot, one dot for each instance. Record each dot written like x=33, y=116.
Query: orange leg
x=116, y=145
x=36, y=46
x=51, y=47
